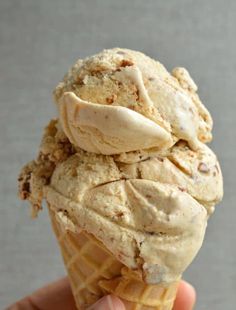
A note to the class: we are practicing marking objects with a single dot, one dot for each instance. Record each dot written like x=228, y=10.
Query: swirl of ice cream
x=120, y=101
x=108, y=130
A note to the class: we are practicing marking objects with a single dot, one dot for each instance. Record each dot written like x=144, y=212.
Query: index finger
x=185, y=298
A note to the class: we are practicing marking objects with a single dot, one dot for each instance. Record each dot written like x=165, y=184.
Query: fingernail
x=108, y=303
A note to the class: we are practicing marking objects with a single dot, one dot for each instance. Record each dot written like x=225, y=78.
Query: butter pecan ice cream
x=126, y=160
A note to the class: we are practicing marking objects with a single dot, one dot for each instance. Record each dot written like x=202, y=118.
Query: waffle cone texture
x=94, y=272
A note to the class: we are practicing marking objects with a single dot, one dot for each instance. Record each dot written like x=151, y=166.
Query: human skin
x=58, y=295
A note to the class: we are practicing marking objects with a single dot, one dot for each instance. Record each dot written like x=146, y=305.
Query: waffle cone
x=94, y=272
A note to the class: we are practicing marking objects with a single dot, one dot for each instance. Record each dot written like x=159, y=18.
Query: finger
x=109, y=302
x=56, y=295
x=186, y=297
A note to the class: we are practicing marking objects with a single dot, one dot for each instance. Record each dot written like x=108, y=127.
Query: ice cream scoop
x=144, y=223
x=129, y=79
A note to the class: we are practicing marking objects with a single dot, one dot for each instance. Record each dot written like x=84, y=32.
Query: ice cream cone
x=129, y=181
x=93, y=272
x=86, y=261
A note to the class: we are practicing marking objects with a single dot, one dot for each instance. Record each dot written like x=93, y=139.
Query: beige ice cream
x=108, y=84
x=126, y=161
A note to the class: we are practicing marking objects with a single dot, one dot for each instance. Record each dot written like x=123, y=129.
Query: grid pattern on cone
x=94, y=272
x=137, y=295
x=87, y=262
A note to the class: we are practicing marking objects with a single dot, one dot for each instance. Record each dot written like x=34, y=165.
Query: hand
x=58, y=296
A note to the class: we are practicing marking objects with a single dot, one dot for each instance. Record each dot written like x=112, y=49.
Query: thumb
x=109, y=302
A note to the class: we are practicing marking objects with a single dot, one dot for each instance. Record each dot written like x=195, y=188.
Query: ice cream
x=115, y=79
x=126, y=161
